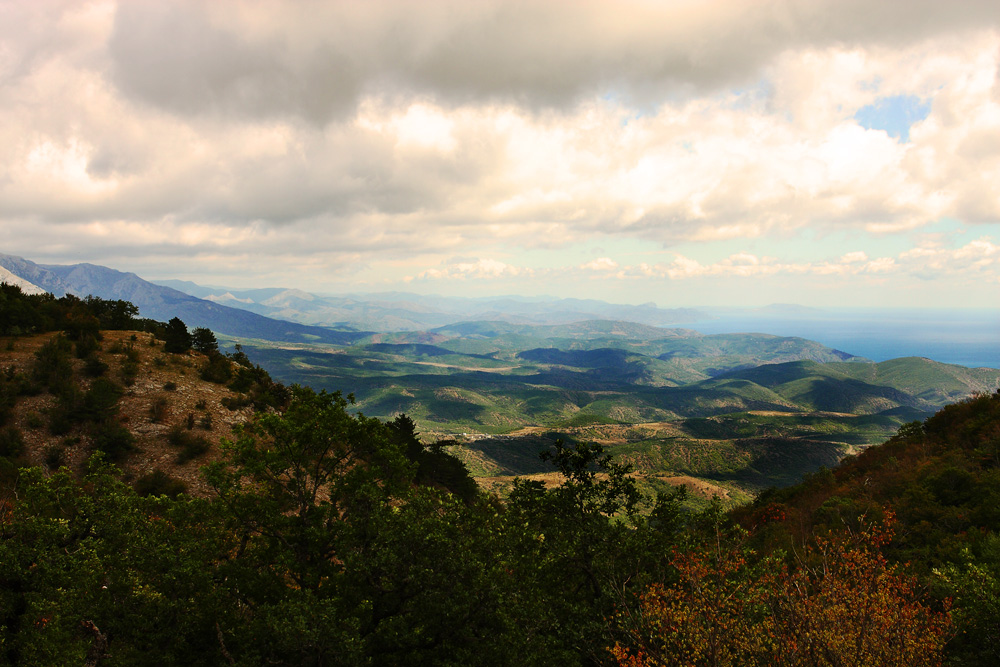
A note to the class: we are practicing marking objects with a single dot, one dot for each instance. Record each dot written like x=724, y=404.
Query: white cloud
x=388, y=131
x=600, y=264
x=854, y=257
x=478, y=270
x=973, y=260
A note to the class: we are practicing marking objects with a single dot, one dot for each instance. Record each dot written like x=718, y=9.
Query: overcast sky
x=839, y=152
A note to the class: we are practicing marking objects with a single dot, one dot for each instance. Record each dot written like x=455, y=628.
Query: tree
x=88, y=568
x=203, y=340
x=176, y=338
x=582, y=549
x=113, y=313
x=301, y=488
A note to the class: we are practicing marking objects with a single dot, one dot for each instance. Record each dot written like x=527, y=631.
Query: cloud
x=979, y=258
x=478, y=270
x=974, y=260
x=317, y=60
x=349, y=134
x=600, y=264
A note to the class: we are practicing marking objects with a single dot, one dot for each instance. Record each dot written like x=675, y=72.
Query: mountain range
x=163, y=303
x=404, y=311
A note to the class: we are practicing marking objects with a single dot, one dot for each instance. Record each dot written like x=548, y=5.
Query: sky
x=686, y=153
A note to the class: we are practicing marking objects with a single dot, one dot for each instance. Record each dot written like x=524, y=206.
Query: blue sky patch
x=894, y=114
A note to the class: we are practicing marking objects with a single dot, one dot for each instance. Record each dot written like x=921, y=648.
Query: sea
x=960, y=336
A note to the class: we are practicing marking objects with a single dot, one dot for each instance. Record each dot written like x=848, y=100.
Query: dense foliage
x=321, y=548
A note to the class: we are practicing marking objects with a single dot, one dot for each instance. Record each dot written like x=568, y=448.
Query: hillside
x=160, y=395
x=937, y=484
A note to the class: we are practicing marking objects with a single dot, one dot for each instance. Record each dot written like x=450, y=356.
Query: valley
x=737, y=413
x=734, y=412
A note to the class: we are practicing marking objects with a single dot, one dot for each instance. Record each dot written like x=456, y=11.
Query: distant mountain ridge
x=396, y=311
x=163, y=303
x=27, y=287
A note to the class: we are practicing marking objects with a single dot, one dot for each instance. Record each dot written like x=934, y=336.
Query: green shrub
x=67, y=411
x=129, y=369
x=34, y=420
x=100, y=403
x=9, y=390
x=94, y=367
x=54, y=456
x=217, y=369
x=52, y=367
x=11, y=442
x=159, y=483
x=176, y=338
x=86, y=345
x=113, y=439
x=191, y=446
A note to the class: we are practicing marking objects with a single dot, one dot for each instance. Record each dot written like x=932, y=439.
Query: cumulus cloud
x=600, y=264
x=316, y=60
x=479, y=269
x=976, y=259
x=354, y=133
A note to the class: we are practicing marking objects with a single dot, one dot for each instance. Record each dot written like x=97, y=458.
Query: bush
x=9, y=390
x=159, y=483
x=34, y=420
x=67, y=411
x=94, y=367
x=52, y=367
x=130, y=366
x=203, y=340
x=176, y=338
x=114, y=440
x=191, y=446
x=159, y=409
x=218, y=369
x=100, y=403
x=86, y=345
x=11, y=442
x=54, y=456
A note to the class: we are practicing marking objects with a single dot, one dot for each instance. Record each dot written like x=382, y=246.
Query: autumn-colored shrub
x=841, y=604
